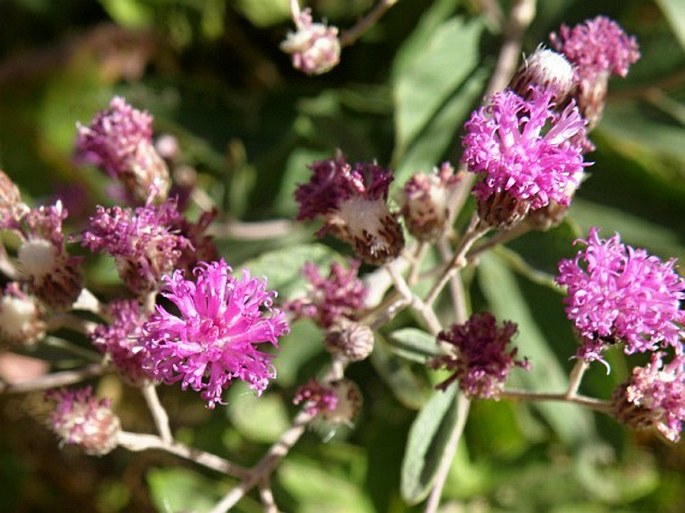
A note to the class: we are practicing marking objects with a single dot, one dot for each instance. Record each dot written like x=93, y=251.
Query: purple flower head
x=120, y=340
x=81, y=419
x=315, y=48
x=119, y=142
x=315, y=398
x=478, y=357
x=425, y=205
x=143, y=242
x=213, y=338
x=352, y=201
x=525, y=149
x=42, y=258
x=619, y=294
x=340, y=295
x=654, y=396
x=597, y=46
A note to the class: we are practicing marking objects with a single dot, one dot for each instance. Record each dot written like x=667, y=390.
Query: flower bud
x=10, y=198
x=81, y=419
x=349, y=339
x=425, y=205
x=20, y=317
x=547, y=70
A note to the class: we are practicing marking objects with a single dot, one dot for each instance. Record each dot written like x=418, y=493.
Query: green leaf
x=264, y=13
x=283, y=267
x=413, y=344
x=674, y=11
x=425, y=85
x=129, y=13
x=180, y=489
x=427, y=443
x=261, y=419
x=570, y=422
x=318, y=486
x=397, y=375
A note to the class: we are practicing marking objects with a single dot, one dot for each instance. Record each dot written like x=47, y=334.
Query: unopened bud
x=315, y=48
x=350, y=339
x=20, y=317
x=546, y=70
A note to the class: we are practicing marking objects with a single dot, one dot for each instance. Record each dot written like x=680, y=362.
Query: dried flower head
x=348, y=404
x=315, y=48
x=654, y=395
x=42, y=260
x=120, y=340
x=144, y=242
x=597, y=48
x=119, y=142
x=546, y=70
x=214, y=337
x=425, y=203
x=81, y=419
x=316, y=398
x=11, y=204
x=340, y=295
x=21, y=319
x=352, y=201
x=524, y=150
x=616, y=293
x=478, y=356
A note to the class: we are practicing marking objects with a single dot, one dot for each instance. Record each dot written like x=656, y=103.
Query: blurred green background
x=212, y=74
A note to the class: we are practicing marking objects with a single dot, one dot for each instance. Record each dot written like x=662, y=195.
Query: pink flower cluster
x=119, y=340
x=525, y=148
x=616, y=293
x=654, y=395
x=212, y=335
x=119, y=142
x=314, y=47
x=144, y=242
x=478, y=355
x=315, y=397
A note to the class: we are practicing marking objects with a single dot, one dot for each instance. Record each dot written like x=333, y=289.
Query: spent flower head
x=144, y=242
x=81, y=419
x=352, y=201
x=616, y=293
x=314, y=47
x=212, y=336
x=119, y=142
x=654, y=395
x=340, y=295
x=42, y=260
x=120, y=339
x=315, y=397
x=525, y=150
x=478, y=356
